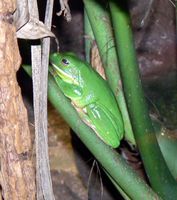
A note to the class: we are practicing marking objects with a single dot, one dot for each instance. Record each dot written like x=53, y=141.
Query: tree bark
x=17, y=177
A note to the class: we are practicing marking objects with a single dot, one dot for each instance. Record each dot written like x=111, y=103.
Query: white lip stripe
x=62, y=72
x=65, y=74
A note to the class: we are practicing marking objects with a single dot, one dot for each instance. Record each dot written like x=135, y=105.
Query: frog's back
x=98, y=98
x=96, y=88
x=105, y=99
x=101, y=90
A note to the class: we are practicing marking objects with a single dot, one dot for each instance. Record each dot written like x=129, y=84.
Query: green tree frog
x=90, y=95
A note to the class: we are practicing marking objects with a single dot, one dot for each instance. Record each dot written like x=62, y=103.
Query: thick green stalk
x=99, y=23
x=168, y=146
x=123, y=193
x=112, y=162
x=158, y=173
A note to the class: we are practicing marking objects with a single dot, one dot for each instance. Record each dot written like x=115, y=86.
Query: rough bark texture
x=17, y=176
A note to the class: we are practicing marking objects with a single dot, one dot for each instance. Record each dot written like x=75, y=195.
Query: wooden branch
x=17, y=171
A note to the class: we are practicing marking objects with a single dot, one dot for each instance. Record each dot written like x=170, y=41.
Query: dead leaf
x=65, y=10
x=34, y=29
x=95, y=60
x=21, y=14
x=27, y=26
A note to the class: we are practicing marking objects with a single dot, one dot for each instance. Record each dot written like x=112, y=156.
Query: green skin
x=90, y=95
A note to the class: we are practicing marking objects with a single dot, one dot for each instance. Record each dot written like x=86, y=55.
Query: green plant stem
x=123, y=193
x=111, y=161
x=99, y=23
x=168, y=145
x=158, y=173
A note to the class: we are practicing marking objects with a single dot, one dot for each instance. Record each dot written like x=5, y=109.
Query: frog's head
x=64, y=65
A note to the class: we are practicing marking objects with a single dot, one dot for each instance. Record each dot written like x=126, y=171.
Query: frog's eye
x=65, y=61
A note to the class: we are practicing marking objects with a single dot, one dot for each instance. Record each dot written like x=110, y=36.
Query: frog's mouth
x=64, y=76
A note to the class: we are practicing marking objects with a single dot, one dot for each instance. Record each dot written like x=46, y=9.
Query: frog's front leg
x=82, y=111
x=107, y=126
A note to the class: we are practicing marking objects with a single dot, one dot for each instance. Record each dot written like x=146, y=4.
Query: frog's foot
x=83, y=115
x=78, y=109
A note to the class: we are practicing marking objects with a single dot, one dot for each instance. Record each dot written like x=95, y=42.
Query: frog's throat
x=64, y=76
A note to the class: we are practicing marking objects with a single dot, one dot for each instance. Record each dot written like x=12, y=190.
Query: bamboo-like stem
x=158, y=173
x=111, y=161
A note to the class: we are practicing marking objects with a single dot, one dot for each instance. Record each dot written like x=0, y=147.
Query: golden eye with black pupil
x=65, y=61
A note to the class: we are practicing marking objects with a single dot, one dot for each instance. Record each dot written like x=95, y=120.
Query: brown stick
x=17, y=176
